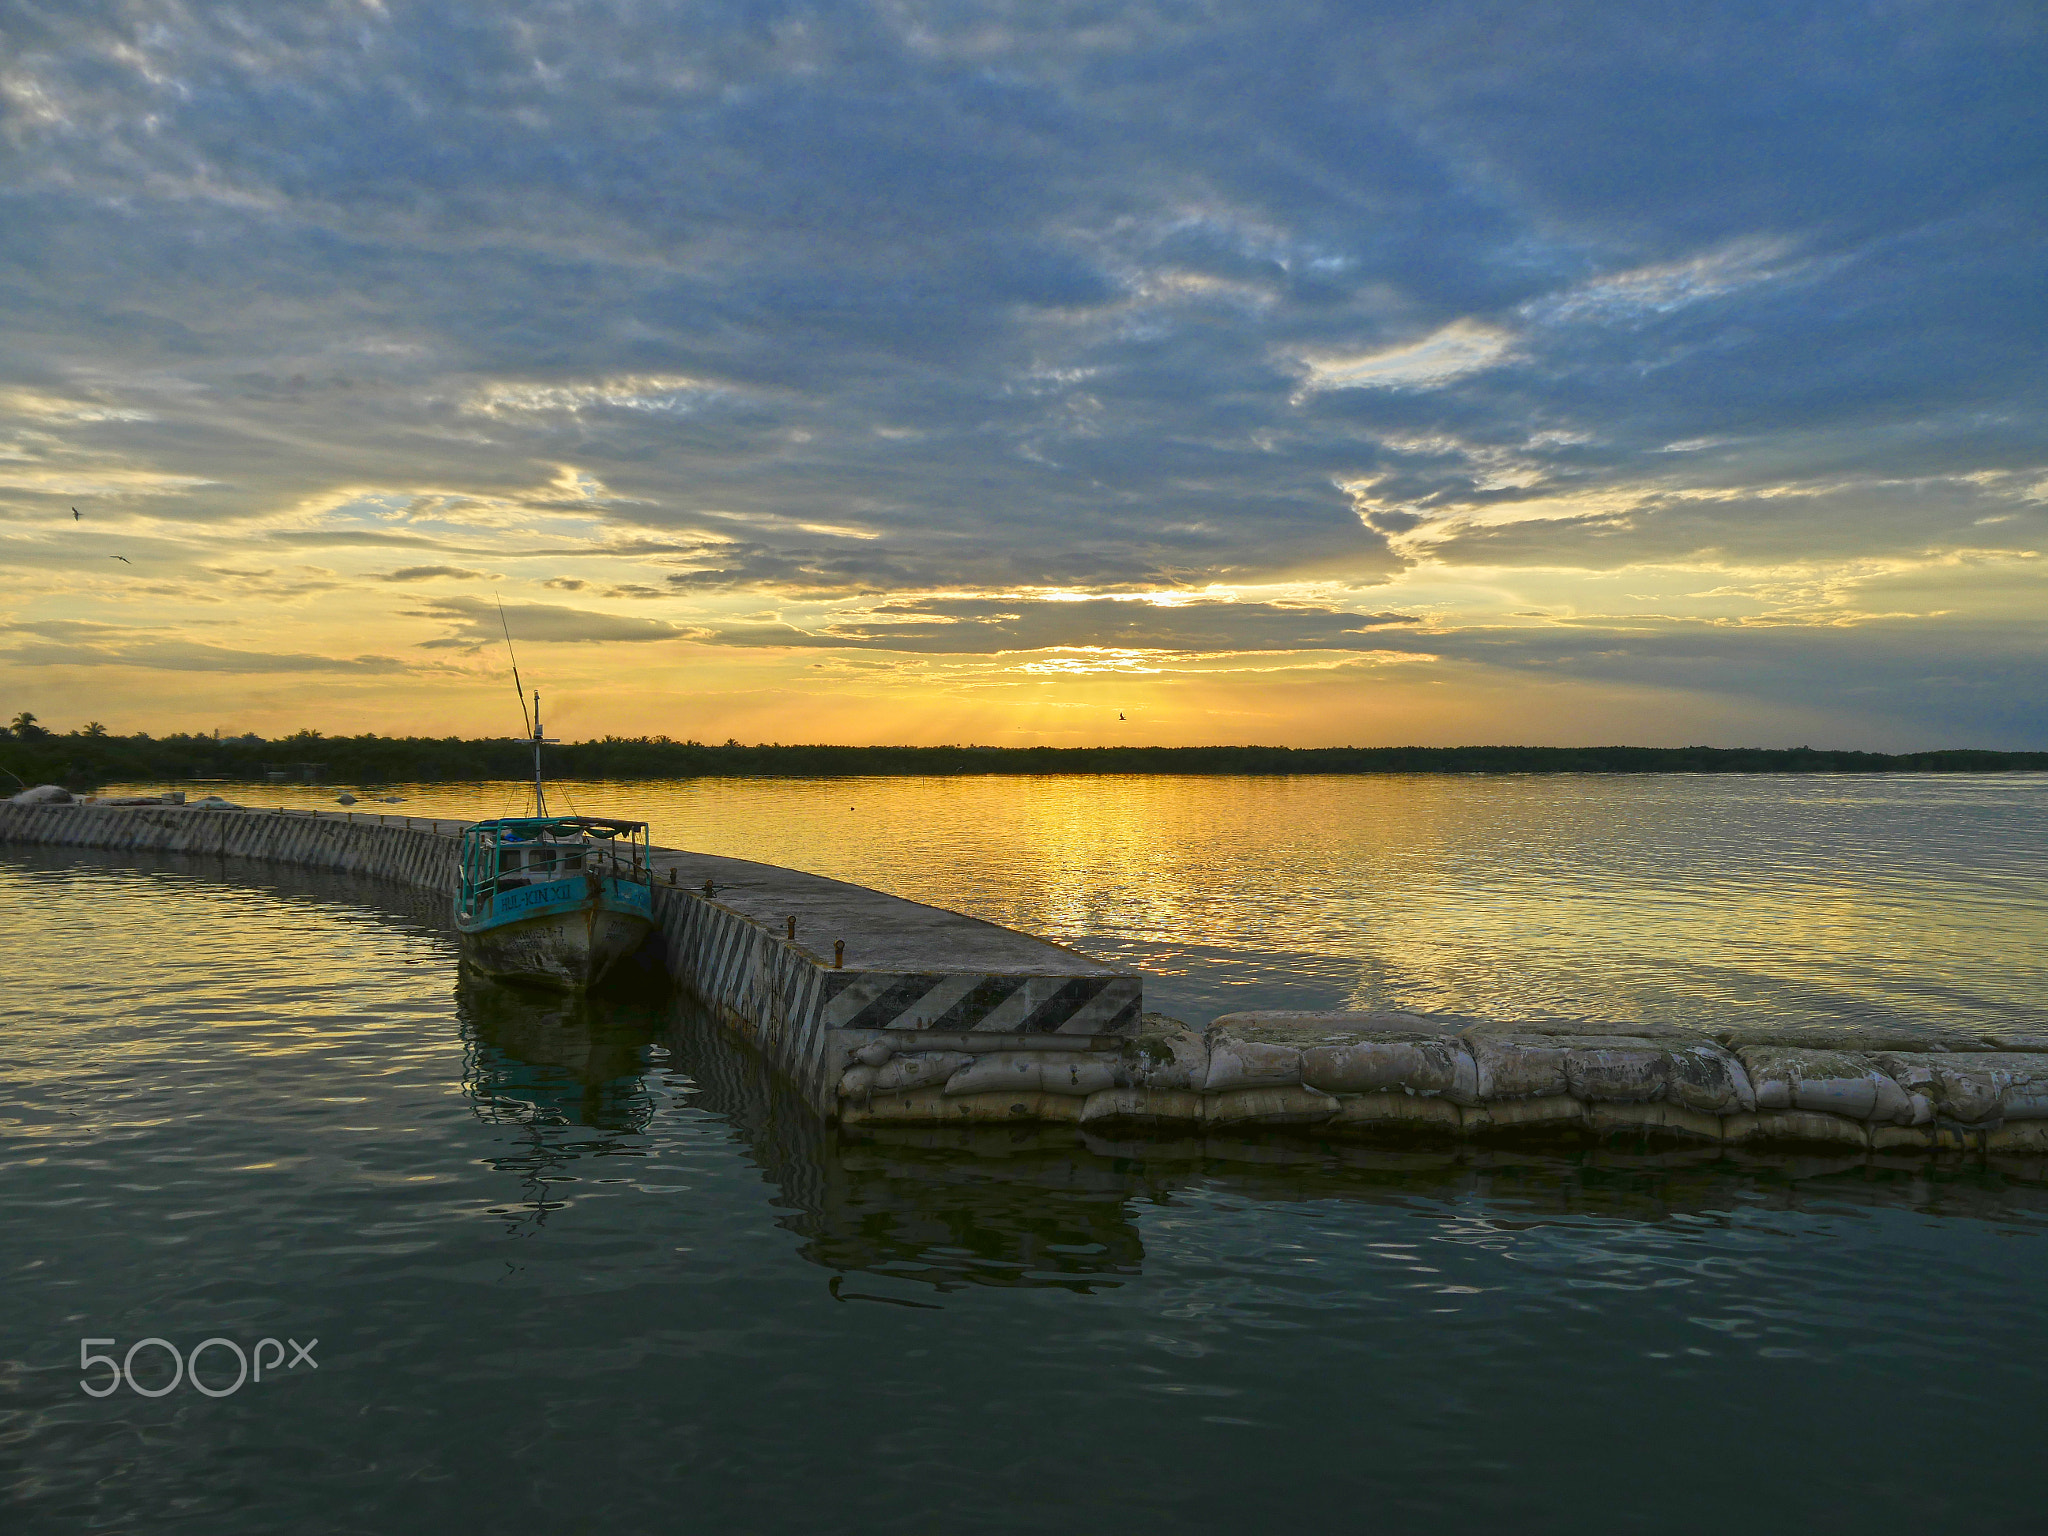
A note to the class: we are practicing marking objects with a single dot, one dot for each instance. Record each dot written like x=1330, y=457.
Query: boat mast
x=540, y=794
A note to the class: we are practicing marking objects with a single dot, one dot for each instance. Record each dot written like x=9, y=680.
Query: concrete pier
x=884, y=1011
x=859, y=967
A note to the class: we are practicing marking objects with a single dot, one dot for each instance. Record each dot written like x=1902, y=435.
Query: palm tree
x=25, y=727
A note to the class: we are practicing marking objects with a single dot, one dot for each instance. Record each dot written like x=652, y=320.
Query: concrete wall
x=413, y=851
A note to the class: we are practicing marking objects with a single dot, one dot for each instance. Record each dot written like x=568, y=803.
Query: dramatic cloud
x=1210, y=330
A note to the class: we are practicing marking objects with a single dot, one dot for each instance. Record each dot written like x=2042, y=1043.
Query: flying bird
x=122, y=558
x=1119, y=714
x=76, y=514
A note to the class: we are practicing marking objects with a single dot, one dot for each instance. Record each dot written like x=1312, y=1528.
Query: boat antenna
x=517, y=687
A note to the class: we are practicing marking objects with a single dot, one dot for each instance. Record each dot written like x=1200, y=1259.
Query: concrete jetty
x=883, y=1011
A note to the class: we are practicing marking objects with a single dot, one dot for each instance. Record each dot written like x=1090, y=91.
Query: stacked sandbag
x=1845, y=1083
x=1406, y=1073
x=1164, y=1068
x=894, y=1073
x=1979, y=1091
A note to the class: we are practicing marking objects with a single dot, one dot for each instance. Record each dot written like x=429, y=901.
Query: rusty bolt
x=671, y=874
x=707, y=887
x=839, y=954
x=792, y=925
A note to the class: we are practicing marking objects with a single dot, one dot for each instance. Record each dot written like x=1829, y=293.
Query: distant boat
x=557, y=900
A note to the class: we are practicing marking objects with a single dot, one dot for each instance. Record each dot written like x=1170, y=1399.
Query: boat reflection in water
x=1035, y=1206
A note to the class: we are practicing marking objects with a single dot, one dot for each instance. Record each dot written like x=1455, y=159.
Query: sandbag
x=1426, y=1064
x=1511, y=1066
x=1408, y=1110
x=1157, y=1106
x=1710, y=1080
x=1982, y=1089
x=1172, y=1058
x=1289, y=1105
x=1797, y=1126
x=1615, y=1069
x=1075, y=1073
x=1236, y=1063
x=898, y=1073
x=1828, y=1083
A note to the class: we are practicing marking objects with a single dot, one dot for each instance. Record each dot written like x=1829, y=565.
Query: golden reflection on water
x=1677, y=898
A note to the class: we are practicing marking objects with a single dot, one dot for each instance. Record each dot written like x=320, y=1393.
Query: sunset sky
x=905, y=372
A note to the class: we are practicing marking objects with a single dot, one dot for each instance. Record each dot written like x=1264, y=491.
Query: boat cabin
x=513, y=852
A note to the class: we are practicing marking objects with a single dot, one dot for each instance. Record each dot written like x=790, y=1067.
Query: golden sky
x=955, y=374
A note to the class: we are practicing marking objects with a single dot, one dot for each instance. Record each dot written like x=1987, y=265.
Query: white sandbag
x=1170, y=1059
x=1405, y=1110
x=900, y=1073
x=1706, y=1078
x=1235, y=1063
x=1430, y=1065
x=1075, y=1073
x=43, y=794
x=1985, y=1088
x=1827, y=1083
x=1289, y=1105
x=1158, y=1106
x=1615, y=1069
x=1510, y=1066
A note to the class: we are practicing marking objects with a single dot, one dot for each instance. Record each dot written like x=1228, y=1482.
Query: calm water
x=584, y=1268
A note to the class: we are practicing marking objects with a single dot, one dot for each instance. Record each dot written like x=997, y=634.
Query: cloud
x=994, y=625
x=189, y=656
x=474, y=623
x=430, y=573
x=869, y=305
x=1455, y=350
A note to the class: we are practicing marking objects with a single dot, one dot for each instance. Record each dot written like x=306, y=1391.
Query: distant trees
x=80, y=758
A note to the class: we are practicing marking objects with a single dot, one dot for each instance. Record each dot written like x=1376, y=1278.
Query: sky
x=1028, y=373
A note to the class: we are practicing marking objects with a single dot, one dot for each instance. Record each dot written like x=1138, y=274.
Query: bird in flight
x=122, y=558
x=1119, y=714
x=76, y=514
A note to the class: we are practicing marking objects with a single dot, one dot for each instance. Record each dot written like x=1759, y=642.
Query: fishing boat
x=557, y=900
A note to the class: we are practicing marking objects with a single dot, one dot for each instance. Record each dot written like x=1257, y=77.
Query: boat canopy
x=518, y=828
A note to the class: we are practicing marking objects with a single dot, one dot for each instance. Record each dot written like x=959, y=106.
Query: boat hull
x=572, y=949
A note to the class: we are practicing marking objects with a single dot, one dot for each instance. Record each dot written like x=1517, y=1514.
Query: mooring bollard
x=707, y=887
x=839, y=954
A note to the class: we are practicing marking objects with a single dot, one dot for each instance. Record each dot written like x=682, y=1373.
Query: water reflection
x=945, y=1208
x=552, y=1059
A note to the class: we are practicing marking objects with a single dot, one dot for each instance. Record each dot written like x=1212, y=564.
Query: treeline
x=82, y=759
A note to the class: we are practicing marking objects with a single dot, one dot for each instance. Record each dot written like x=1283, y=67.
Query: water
x=587, y=1268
